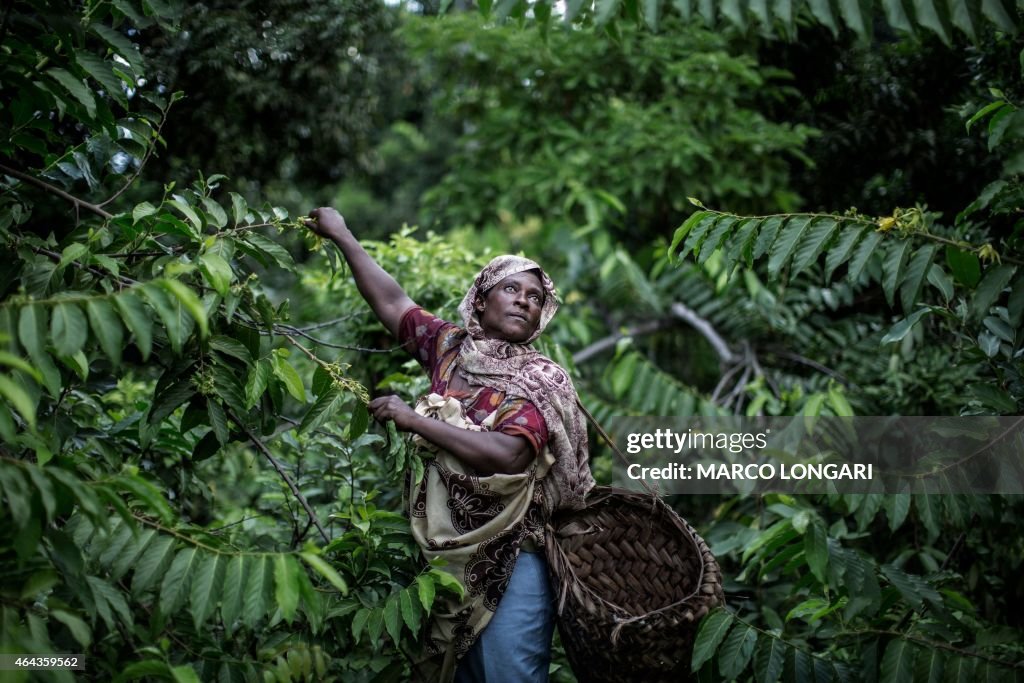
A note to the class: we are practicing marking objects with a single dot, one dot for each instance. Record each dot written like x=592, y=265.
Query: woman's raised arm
x=385, y=296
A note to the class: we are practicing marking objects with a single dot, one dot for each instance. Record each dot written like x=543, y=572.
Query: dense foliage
x=191, y=487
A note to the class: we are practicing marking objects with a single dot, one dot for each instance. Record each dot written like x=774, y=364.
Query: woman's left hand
x=393, y=408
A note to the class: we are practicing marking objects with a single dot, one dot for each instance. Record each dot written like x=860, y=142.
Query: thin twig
x=262, y=448
x=797, y=358
x=145, y=159
x=78, y=203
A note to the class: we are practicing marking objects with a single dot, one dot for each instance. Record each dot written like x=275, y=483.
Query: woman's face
x=511, y=309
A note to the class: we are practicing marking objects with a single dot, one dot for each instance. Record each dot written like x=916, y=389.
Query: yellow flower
x=886, y=224
x=987, y=253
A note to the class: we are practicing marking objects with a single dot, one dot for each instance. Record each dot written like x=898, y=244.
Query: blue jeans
x=515, y=647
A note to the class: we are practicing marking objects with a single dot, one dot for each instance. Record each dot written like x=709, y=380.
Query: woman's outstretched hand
x=393, y=408
x=327, y=223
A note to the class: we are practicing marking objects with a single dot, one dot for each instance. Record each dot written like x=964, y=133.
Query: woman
x=509, y=447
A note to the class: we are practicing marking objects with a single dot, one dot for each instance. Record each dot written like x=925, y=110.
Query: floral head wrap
x=520, y=370
x=497, y=270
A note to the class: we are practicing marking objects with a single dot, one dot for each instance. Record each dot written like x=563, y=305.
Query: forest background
x=763, y=208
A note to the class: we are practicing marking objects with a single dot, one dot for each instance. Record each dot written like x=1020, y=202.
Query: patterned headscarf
x=520, y=370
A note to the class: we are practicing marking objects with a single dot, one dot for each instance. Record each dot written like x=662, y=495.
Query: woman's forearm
x=486, y=452
x=385, y=296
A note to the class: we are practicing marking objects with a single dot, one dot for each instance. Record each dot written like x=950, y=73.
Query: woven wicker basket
x=633, y=580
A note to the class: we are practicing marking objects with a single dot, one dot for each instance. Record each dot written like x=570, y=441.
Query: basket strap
x=610, y=442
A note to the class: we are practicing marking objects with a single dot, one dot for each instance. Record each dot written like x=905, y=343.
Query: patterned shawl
x=521, y=370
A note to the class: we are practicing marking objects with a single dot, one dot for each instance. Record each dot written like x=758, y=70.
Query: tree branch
x=142, y=164
x=79, y=203
x=698, y=323
x=605, y=343
x=262, y=448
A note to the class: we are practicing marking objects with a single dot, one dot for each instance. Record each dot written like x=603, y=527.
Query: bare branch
x=605, y=343
x=78, y=203
x=698, y=323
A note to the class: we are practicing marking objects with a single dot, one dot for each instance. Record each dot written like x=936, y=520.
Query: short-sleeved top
x=435, y=344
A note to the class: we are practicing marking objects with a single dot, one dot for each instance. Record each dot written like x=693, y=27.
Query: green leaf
x=785, y=246
x=736, y=651
x=929, y=665
x=68, y=328
x=698, y=233
x=218, y=216
x=358, y=421
x=816, y=550
x=256, y=384
x=605, y=11
x=822, y=11
x=712, y=630
x=107, y=328
x=272, y=249
x=963, y=18
x=76, y=87
x=965, y=266
x=286, y=585
x=358, y=622
x=898, y=662
x=892, y=268
x=849, y=238
x=72, y=253
x=225, y=383
x=17, y=397
x=177, y=580
x=683, y=230
x=326, y=407
x=79, y=629
x=167, y=400
x=410, y=610
x=147, y=493
x=715, y=238
x=769, y=659
x=959, y=669
x=813, y=243
x=258, y=590
x=913, y=588
x=231, y=347
x=206, y=587
x=901, y=329
x=854, y=18
x=152, y=564
x=425, y=589
x=187, y=298
x=132, y=553
x=184, y=674
x=234, y=581
x=238, y=208
x=997, y=13
x=652, y=9
x=991, y=286
x=288, y=375
x=393, y=618
x=102, y=71
x=994, y=397
x=217, y=272
x=325, y=570
x=177, y=323
x=917, y=270
x=861, y=255
x=897, y=17
x=218, y=421
x=767, y=234
x=942, y=282
x=182, y=205
x=928, y=15
x=137, y=320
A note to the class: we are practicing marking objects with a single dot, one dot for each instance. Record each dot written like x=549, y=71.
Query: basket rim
x=566, y=574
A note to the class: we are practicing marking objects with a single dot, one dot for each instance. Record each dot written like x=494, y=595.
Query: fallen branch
x=605, y=343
